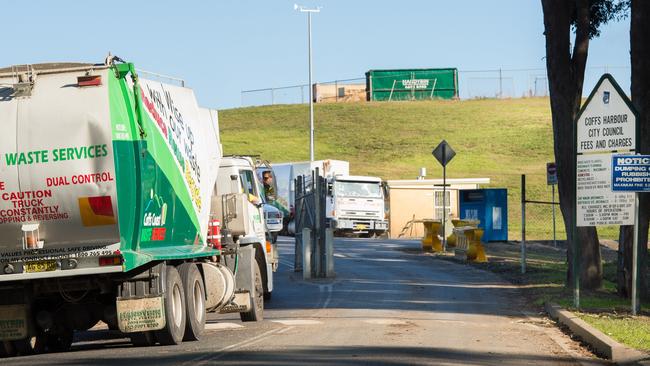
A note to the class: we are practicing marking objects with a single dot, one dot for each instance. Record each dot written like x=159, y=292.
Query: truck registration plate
x=360, y=227
x=40, y=266
x=13, y=322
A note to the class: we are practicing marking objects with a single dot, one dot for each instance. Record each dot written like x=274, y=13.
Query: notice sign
x=597, y=204
x=605, y=125
x=631, y=173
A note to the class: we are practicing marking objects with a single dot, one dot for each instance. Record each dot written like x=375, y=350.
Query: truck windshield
x=357, y=189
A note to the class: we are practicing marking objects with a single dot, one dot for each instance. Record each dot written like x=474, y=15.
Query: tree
x=565, y=69
x=640, y=61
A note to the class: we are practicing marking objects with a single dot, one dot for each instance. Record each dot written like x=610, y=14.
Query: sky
x=223, y=47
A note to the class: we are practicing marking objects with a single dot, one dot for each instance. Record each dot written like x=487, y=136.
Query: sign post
x=606, y=125
x=443, y=153
x=631, y=173
x=551, y=179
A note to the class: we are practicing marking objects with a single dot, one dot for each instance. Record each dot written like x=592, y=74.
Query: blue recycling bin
x=490, y=207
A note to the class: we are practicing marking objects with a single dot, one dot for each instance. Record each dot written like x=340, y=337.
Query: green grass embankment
x=497, y=139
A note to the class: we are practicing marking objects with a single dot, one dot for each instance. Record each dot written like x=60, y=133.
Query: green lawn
x=544, y=282
x=497, y=139
x=632, y=331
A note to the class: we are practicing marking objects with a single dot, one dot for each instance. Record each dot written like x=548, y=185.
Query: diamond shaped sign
x=443, y=153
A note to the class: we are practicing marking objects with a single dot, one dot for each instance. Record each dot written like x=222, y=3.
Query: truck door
x=250, y=186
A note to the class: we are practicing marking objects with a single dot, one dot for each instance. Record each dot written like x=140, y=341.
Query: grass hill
x=492, y=138
x=497, y=139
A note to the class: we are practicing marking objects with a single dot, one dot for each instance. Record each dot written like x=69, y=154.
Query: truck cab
x=355, y=205
x=242, y=212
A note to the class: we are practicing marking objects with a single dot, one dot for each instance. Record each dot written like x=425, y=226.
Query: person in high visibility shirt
x=269, y=193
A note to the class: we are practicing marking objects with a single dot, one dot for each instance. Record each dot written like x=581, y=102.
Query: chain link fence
x=472, y=84
x=538, y=204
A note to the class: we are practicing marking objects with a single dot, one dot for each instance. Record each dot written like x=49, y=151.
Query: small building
x=411, y=84
x=339, y=92
x=416, y=199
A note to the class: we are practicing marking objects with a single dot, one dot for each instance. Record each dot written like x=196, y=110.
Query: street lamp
x=309, y=11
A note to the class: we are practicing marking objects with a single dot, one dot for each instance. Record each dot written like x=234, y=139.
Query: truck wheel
x=257, y=297
x=7, y=349
x=194, y=301
x=143, y=339
x=174, y=300
x=54, y=341
x=24, y=347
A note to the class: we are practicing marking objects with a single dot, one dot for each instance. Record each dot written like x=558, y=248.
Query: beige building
x=332, y=93
x=413, y=200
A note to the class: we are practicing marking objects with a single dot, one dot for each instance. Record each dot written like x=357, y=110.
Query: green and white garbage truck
x=110, y=211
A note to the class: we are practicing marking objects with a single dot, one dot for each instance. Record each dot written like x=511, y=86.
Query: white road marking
x=385, y=321
x=297, y=321
x=286, y=263
x=222, y=326
x=327, y=288
x=285, y=330
x=205, y=359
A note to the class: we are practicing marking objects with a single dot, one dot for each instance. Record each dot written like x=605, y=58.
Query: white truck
x=111, y=203
x=237, y=174
x=355, y=204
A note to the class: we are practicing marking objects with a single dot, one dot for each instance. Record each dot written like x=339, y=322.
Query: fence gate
x=313, y=254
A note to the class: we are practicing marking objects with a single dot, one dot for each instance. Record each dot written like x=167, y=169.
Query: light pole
x=309, y=11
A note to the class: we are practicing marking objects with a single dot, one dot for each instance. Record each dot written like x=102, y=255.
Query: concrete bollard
x=306, y=253
x=329, y=252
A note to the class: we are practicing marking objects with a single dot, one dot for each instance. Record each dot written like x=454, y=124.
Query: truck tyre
x=7, y=349
x=257, y=299
x=54, y=341
x=143, y=339
x=174, y=301
x=24, y=347
x=194, y=301
x=268, y=296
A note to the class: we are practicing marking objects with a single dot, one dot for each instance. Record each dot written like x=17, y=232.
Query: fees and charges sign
x=606, y=125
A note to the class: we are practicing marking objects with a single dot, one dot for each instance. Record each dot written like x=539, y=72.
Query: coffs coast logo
x=155, y=211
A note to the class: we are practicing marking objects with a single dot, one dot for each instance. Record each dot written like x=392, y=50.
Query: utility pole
x=309, y=11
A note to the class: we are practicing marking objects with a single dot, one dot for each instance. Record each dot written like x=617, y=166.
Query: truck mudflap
x=13, y=322
x=141, y=315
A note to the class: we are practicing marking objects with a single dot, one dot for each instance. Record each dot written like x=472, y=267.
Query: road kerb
x=602, y=344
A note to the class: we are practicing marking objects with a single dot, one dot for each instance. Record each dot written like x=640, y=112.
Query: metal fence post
x=307, y=242
x=500, y=84
x=554, y=229
x=298, y=221
x=316, y=264
x=523, y=223
x=336, y=90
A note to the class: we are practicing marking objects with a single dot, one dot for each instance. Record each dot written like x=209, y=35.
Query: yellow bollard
x=430, y=242
x=480, y=249
x=475, y=251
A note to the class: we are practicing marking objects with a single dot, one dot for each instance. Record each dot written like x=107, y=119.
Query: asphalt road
x=389, y=304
